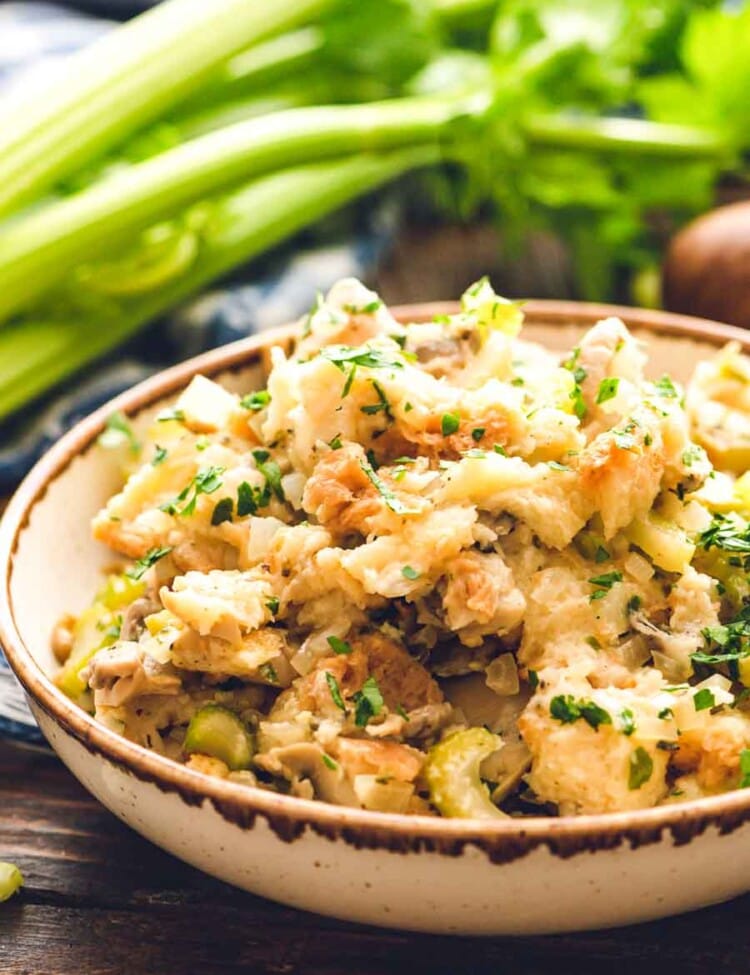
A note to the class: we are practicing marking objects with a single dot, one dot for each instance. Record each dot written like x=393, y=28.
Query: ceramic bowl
x=420, y=873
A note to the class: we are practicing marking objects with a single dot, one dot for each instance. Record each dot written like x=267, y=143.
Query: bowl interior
x=57, y=566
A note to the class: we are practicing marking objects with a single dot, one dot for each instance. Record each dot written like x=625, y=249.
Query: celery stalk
x=125, y=80
x=40, y=249
x=34, y=355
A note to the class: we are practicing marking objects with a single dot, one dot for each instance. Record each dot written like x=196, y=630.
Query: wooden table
x=99, y=900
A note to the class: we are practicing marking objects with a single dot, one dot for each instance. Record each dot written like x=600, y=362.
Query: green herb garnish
x=449, y=423
x=409, y=573
x=566, y=709
x=117, y=427
x=141, y=566
x=223, y=511
x=641, y=767
x=333, y=687
x=256, y=401
x=368, y=702
x=339, y=646
x=703, y=699
x=607, y=389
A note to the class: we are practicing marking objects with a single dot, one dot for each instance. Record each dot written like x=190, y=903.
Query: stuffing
x=436, y=568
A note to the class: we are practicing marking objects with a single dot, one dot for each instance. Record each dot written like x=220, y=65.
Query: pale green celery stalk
x=34, y=355
x=124, y=81
x=39, y=250
x=625, y=136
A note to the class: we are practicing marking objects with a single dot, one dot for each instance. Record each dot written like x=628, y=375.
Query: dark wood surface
x=99, y=900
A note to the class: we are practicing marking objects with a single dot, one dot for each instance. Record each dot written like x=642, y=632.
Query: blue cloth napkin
x=33, y=38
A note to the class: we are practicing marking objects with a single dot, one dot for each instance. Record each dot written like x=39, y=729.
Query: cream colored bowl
x=420, y=873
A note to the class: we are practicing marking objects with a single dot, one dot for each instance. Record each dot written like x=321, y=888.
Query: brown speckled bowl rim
x=289, y=817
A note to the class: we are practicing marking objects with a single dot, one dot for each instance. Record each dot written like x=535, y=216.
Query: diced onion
x=502, y=675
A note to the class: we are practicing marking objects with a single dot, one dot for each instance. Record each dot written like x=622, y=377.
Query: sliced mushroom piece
x=307, y=760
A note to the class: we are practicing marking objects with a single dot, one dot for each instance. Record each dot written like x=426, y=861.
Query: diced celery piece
x=667, y=545
x=217, y=732
x=11, y=880
x=120, y=591
x=452, y=773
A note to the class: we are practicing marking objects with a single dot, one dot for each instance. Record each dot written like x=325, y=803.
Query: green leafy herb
x=579, y=404
x=566, y=709
x=160, y=455
x=745, y=768
x=641, y=767
x=500, y=450
x=607, y=389
x=272, y=474
x=272, y=605
x=141, y=566
x=408, y=573
x=382, y=406
x=367, y=309
x=400, y=710
x=627, y=721
x=248, y=499
x=335, y=443
x=117, y=428
x=449, y=423
x=333, y=687
x=666, y=388
x=206, y=481
x=256, y=401
x=368, y=702
x=329, y=762
x=601, y=554
x=693, y=455
x=223, y=511
x=634, y=604
x=393, y=502
x=703, y=699
x=725, y=534
x=477, y=433
x=665, y=714
x=339, y=646
x=603, y=584
x=347, y=359
x=166, y=415
x=268, y=672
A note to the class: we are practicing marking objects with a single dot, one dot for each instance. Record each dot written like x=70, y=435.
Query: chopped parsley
x=704, y=699
x=665, y=714
x=223, y=511
x=335, y=443
x=329, y=762
x=566, y=709
x=116, y=428
x=206, y=481
x=641, y=767
x=333, y=687
x=725, y=534
x=367, y=309
x=141, y=566
x=666, y=388
x=603, y=584
x=382, y=405
x=248, y=499
x=449, y=423
x=347, y=359
x=500, y=450
x=368, y=702
x=693, y=455
x=601, y=554
x=272, y=474
x=624, y=440
x=394, y=503
x=745, y=768
x=579, y=404
x=166, y=415
x=401, y=711
x=268, y=672
x=647, y=439
x=477, y=433
x=607, y=390
x=533, y=680
x=160, y=455
x=272, y=605
x=256, y=401
x=627, y=722
x=634, y=604
x=408, y=573
x=339, y=646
